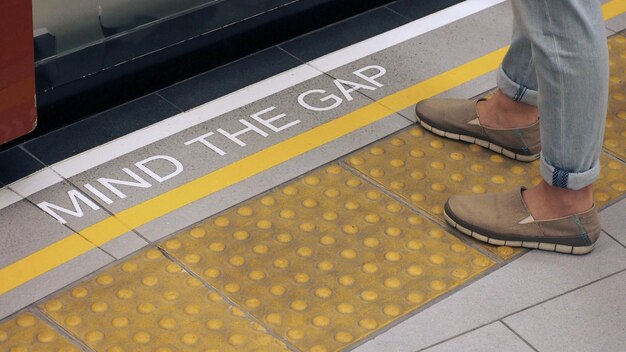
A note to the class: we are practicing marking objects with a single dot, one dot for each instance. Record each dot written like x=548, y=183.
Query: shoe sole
x=486, y=144
x=552, y=247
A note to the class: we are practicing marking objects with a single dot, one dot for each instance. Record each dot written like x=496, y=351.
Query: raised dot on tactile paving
x=104, y=279
x=280, y=263
x=144, y=308
x=478, y=189
x=73, y=320
x=287, y=214
x=245, y=211
x=377, y=151
x=221, y=221
x=497, y=179
x=274, y=318
x=237, y=340
x=394, y=207
x=437, y=259
x=436, y=144
x=370, y=268
x=371, y=242
x=129, y=267
x=232, y=287
x=327, y=240
x=348, y=253
x=284, y=237
x=397, y=142
x=437, y=165
x=414, y=245
x=345, y=308
x=392, y=310
x=304, y=251
x=46, y=336
x=192, y=309
x=99, y=307
x=171, y=295
x=309, y=203
x=415, y=297
x=353, y=182
x=301, y=278
x=26, y=321
x=260, y=249
x=331, y=192
x=377, y=172
x=368, y=323
x=264, y=224
x=277, y=290
x=197, y=232
x=417, y=153
x=393, y=256
x=295, y=334
x=256, y=275
x=95, y=336
x=290, y=190
x=268, y=201
x=460, y=273
x=252, y=303
x=347, y=280
x=298, y=305
x=325, y=265
x=349, y=229
x=333, y=170
x=312, y=180
x=330, y=216
x=307, y=227
x=323, y=292
x=321, y=321
x=212, y=273
x=415, y=270
x=372, y=218
x=392, y=282
x=53, y=306
x=369, y=295
x=344, y=337
x=481, y=261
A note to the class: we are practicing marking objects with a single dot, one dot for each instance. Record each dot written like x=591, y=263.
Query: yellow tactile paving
x=327, y=259
x=615, y=133
x=425, y=170
x=27, y=333
x=611, y=183
x=149, y=303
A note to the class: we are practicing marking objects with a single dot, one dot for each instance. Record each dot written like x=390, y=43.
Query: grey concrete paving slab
x=495, y=337
x=63, y=275
x=588, y=319
x=59, y=200
x=617, y=24
x=262, y=182
x=614, y=221
x=26, y=229
x=531, y=279
x=437, y=51
x=185, y=156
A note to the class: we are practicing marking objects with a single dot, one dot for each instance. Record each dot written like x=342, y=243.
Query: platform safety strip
x=327, y=259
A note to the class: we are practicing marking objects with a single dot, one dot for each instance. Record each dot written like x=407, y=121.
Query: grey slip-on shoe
x=502, y=219
x=457, y=119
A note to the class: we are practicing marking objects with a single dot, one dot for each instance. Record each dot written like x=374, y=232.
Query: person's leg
x=570, y=56
x=507, y=123
x=515, y=103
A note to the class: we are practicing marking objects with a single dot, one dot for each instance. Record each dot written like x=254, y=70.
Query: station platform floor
x=289, y=202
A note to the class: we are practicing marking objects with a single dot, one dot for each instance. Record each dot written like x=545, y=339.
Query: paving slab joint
x=247, y=313
x=519, y=336
x=36, y=310
x=471, y=243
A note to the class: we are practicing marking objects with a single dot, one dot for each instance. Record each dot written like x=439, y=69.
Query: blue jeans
x=558, y=61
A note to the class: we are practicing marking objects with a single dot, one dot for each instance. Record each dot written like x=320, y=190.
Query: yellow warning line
x=108, y=229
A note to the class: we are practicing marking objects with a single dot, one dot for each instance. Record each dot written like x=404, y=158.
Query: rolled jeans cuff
x=514, y=90
x=557, y=177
